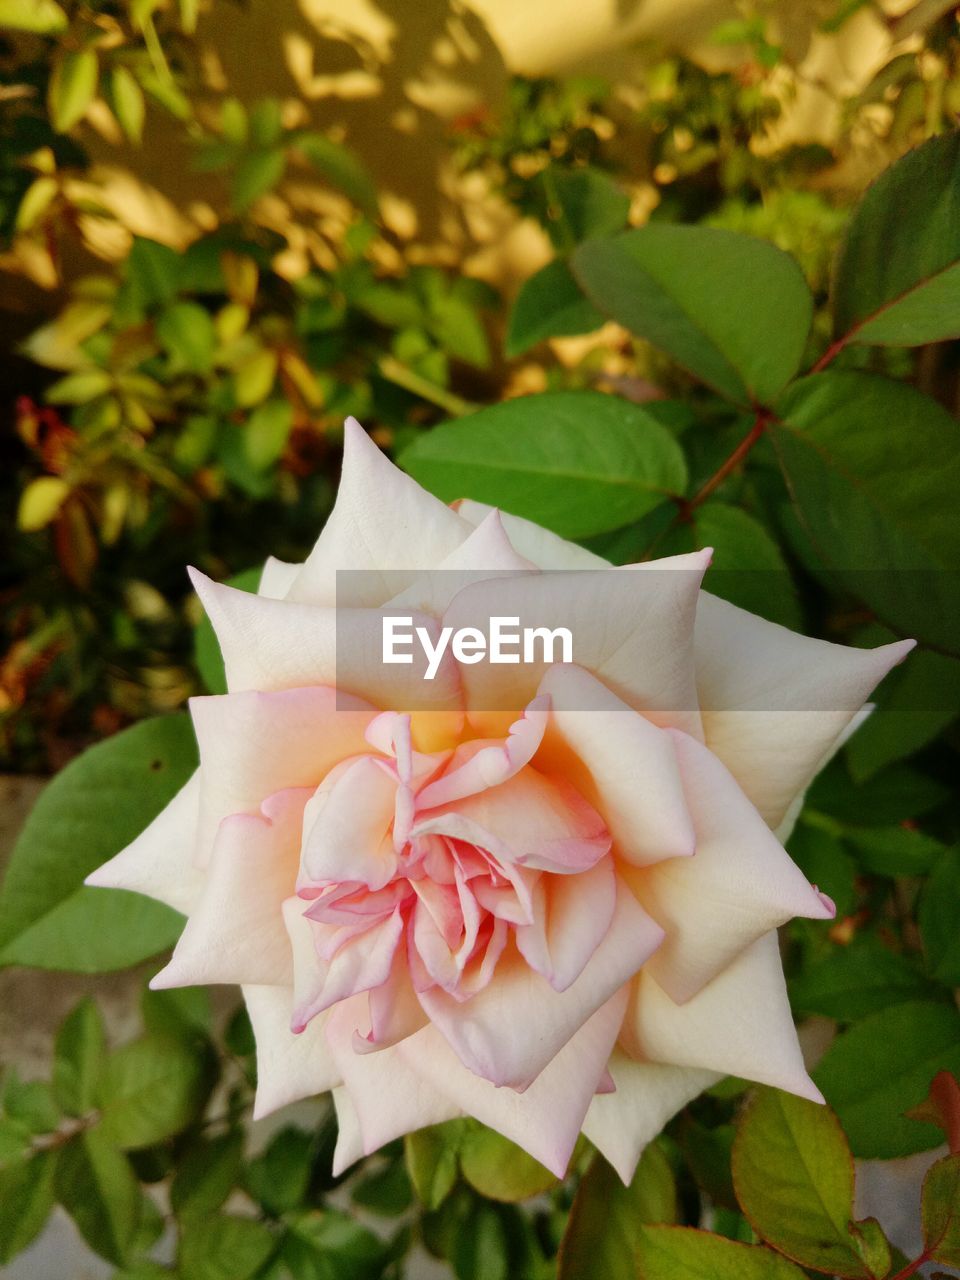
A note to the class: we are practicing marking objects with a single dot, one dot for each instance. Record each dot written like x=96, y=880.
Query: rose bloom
x=549, y=897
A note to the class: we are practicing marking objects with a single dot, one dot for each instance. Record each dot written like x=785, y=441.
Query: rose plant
x=570, y=924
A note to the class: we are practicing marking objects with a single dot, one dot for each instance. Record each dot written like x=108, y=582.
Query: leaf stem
x=912, y=1267
x=830, y=354
x=731, y=463
x=397, y=373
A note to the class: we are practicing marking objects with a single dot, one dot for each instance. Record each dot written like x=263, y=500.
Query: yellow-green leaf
x=73, y=86
x=42, y=17
x=40, y=502
x=127, y=101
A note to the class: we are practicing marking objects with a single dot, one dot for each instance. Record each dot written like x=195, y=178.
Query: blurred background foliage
x=224, y=227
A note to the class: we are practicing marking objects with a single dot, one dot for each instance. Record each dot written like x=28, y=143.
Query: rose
x=557, y=920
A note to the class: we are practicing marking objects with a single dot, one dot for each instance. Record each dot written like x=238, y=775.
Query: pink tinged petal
x=647, y=1095
x=510, y=1031
x=489, y=766
x=388, y=1096
x=631, y=627
x=545, y=549
x=277, y=578
x=739, y=1024
x=530, y=820
x=632, y=775
x=391, y=733
x=159, y=863
x=346, y=827
x=253, y=744
x=235, y=932
x=545, y=1119
x=571, y=917
x=487, y=550
x=383, y=523
x=393, y=1008
x=279, y=644
x=364, y=961
x=289, y=1067
x=774, y=702
x=740, y=884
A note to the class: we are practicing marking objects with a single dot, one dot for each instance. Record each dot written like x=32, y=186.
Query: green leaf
x=206, y=650
x=280, y=1176
x=181, y=1012
x=42, y=17
x=331, y=1246
x=341, y=167
x=919, y=700
x=855, y=980
x=603, y=1233
x=459, y=330
x=266, y=433
x=877, y=502
x=898, y=276
x=150, y=1089
x=481, y=1249
x=747, y=568
x=686, y=1253
x=224, y=1248
x=550, y=304
x=432, y=1156
x=73, y=86
x=26, y=1199
x=881, y=1067
x=152, y=274
x=205, y=1177
x=581, y=202
x=940, y=1211
x=127, y=101
x=894, y=851
x=793, y=1175
x=578, y=462
x=187, y=333
x=256, y=174
x=825, y=862
x=29, y=1103
x=93, y=808
x=938, y=918
x=253, y=380
x=79, y=387
x=498, y=1168
x=733, y=310
x=96, y=1186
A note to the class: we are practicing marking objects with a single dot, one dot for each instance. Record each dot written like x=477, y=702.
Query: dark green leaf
x=939, y=919
x=205, y=1177
x=481, y=1250
x=881, y=1067
x=96, y=1186
x=77, y=1057
x=386, y=1191
x=577, y=462
x=603, y=1233
x=26, y=1198
x=152, y=273
x=898, y=279
x=940, y=1211
x=919, y=700
x=733, y=310
x=498, y=1168
x=331, y=1246
x=793, y=1175
x=280, y=1177
x=826, y=863
x=877, y=501
x=30, y=1103
x=91, y=810
x=856, y=980
x=686, y=1253
x=224, y=1248
x=150, y=1089
x=894, y=851
x=896, y=794
x=578, y=203
x=206, y=650
x=182, y=1012
x=550, y=304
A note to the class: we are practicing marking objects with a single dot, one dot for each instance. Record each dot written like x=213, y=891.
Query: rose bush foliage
x=553, y=917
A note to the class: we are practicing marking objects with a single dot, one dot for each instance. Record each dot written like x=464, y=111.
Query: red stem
x=912, y=1267
x=733, y=461
x=830, y=354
